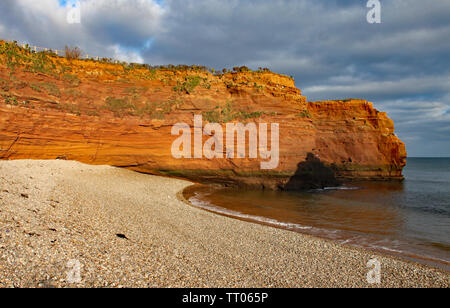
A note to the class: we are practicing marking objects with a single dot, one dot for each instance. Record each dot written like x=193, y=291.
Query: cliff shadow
x=312, y=174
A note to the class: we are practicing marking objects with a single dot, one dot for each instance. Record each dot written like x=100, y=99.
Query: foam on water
x=208, y=206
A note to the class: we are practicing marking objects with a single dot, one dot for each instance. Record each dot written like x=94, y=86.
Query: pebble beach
x=126, y=229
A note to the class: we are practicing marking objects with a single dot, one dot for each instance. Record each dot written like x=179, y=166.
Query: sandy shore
x=52, y=212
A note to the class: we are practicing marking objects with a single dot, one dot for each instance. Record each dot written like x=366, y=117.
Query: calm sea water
x=409, y=219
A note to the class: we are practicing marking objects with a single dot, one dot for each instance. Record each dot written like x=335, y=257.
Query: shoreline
x=431, y=263
x=130, y=230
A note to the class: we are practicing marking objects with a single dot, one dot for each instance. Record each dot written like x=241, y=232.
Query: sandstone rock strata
x=103, y=113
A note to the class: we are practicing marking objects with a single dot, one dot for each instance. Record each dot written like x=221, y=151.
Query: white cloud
x=127, y=56
x=104, y=24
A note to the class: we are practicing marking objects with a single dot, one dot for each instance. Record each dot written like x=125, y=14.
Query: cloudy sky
x=402, y=64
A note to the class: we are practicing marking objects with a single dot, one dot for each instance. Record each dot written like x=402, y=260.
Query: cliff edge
x=99, y=112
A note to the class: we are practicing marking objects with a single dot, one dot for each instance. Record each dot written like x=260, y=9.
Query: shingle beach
x=127, y=229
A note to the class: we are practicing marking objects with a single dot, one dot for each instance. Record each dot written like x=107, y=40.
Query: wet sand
x=130, y=230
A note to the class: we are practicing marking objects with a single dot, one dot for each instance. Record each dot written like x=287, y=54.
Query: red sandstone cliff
x=102, y=113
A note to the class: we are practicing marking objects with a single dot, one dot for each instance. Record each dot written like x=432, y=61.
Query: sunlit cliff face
x=99, y=112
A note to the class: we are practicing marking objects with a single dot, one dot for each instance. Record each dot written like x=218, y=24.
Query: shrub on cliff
x=189, y=85
x=241, y=69
x=73, y=53
x=119, y=106
x=263, y=70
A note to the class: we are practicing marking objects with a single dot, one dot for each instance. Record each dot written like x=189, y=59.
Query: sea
x=409, y=219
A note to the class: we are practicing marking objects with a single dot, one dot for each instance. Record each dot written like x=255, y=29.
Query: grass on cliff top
x=130, y=103
x=15, y=56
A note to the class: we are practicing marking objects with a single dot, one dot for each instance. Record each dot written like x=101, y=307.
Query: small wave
x=285, y=225
x=395, y=247
x=337, y=188
x=365, y=242
x=387, y=249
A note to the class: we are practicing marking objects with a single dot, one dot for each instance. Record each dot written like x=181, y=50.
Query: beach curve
x=128, y=229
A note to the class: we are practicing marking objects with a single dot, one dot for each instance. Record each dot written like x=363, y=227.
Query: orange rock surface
x=103, y=113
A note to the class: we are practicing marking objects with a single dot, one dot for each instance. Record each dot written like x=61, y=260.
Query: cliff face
x=102, y=113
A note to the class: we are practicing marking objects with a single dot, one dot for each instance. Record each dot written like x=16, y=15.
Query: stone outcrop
x=121, y=115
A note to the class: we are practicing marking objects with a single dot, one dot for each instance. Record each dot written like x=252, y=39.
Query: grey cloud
x=381, y=89
x=105, y=24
